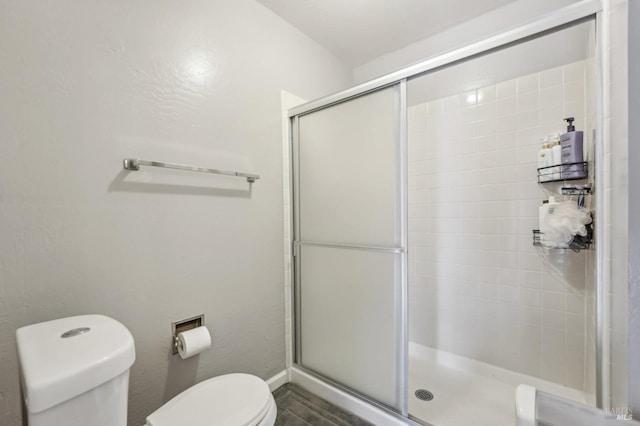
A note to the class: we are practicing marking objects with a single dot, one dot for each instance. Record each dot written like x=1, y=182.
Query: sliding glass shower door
x=349, y=245
x=488, y=309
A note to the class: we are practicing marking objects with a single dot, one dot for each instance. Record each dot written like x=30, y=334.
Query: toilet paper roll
x=194, y=341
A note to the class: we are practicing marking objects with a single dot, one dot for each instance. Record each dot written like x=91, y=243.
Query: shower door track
x=409, y=420
x=562, y=18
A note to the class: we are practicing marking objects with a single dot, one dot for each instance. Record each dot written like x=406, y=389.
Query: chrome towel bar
x=134, y=164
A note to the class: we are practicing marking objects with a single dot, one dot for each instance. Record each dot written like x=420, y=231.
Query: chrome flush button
x=75, y=332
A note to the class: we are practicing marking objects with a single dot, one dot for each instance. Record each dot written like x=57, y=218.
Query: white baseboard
x=278, y=380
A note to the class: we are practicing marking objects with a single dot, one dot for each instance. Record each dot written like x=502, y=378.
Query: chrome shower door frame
x=579, y=12
x=401, y=250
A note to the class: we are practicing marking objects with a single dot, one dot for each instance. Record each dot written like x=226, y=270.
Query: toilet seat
x=230, y=400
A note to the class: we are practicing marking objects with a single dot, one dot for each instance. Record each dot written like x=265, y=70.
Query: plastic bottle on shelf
x=550, y=235
x=572, y=146
x=542, y=211
x=546, y=209
x=544, y=161
x=556, y=155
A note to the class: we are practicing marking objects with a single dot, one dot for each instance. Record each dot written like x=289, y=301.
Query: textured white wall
x=85, y=84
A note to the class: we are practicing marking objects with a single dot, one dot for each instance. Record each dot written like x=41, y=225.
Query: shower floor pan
x=469, y=392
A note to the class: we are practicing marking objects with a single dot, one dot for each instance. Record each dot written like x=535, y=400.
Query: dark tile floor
x=297, y=407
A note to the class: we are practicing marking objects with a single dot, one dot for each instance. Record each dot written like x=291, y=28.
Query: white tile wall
x=478, y=288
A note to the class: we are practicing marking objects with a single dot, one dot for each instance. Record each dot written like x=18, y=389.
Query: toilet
x=232, y=399
x=75, y=372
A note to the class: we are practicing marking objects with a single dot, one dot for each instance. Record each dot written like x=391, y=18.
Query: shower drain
x=424, y=395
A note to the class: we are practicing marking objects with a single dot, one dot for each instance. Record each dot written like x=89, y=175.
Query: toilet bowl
x=75, y=372
x=232, y=400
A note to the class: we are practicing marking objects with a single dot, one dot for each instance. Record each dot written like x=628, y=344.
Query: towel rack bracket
x=131, y=164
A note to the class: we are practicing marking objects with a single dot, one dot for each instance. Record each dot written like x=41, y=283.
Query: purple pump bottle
x=571, y=147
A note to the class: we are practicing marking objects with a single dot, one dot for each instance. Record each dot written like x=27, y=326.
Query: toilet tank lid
x=64, y=358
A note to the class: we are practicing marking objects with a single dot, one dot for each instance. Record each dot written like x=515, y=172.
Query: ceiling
x=358, y=31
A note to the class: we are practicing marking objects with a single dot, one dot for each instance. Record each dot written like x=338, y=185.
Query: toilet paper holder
x=180, y=326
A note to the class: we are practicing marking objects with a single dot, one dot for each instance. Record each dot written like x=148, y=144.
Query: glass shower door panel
x=349, y=171
x=349, y=318
x=350, y=257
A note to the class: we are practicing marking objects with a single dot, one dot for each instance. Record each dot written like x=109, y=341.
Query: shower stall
x=417, y=286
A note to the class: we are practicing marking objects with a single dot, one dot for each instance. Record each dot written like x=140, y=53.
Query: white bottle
x=542, y=211
x=544, y=160
x=556, y=156
x=547, y=208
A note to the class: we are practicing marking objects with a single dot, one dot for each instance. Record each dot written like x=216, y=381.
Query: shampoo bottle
x=571, y=146
x=556, y=156
x=544, y=162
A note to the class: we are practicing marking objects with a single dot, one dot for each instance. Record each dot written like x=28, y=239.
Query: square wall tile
x=474, y=200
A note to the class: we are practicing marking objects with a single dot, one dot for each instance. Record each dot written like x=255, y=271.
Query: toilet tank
x=75, y=371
